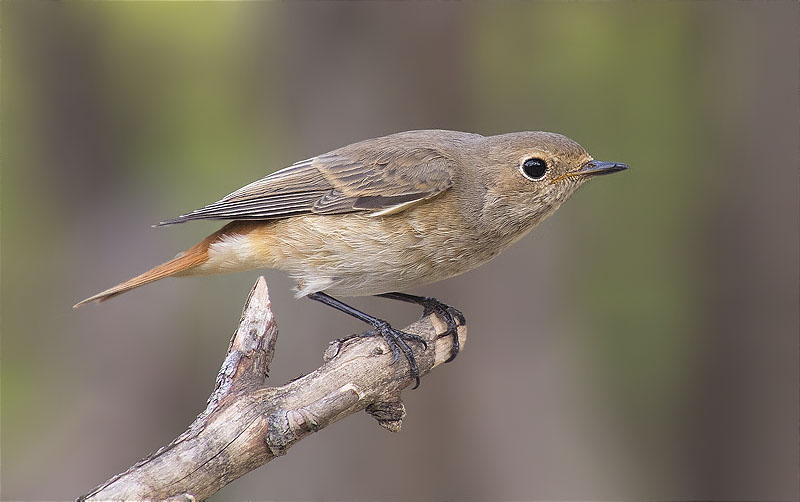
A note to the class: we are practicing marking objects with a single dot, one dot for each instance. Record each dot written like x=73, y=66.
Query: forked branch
x=247, y=423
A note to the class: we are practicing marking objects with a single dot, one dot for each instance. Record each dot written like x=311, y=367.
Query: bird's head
x=528, y=175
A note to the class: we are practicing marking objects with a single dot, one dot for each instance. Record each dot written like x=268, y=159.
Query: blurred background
x=642, y=343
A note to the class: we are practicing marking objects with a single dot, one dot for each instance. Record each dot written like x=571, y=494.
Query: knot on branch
x=332, y=350
x=182, y=497
x=389, y=413
x=284, y=427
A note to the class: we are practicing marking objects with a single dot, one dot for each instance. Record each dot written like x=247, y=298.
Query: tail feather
x=187, y=260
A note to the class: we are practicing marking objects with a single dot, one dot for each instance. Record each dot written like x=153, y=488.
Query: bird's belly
x=358, y=255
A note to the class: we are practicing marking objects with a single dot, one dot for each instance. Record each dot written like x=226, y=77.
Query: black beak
x=596, y=168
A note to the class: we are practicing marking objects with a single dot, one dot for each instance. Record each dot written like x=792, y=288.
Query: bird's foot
x=451, y=316
x=398, y=341
x=395, y=338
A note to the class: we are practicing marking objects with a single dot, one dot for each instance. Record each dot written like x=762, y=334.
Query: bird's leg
x=450, y=315
x=394, y=337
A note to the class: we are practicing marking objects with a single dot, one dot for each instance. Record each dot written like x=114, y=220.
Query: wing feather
x=377, y=176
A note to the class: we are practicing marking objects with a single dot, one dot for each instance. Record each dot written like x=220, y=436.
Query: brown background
x=640, y=344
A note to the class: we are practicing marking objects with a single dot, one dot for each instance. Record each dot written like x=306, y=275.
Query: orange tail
x=189, y=259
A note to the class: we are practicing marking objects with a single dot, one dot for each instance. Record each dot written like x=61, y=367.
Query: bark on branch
x=248, y=423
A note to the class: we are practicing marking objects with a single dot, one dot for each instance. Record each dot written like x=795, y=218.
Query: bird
x=386, y=214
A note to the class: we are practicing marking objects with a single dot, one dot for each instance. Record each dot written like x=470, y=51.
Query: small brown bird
x=387, y=214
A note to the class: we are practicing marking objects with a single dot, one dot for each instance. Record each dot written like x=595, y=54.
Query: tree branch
x=247, y=423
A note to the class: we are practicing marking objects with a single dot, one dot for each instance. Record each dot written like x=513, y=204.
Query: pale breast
x=355, y=255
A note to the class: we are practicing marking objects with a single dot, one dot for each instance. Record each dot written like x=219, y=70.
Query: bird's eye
x=534, y=169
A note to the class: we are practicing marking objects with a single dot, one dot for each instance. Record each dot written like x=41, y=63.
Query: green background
x=640, y=344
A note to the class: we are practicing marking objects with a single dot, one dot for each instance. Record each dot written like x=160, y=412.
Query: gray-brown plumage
x=371, y=175
x=387, y=213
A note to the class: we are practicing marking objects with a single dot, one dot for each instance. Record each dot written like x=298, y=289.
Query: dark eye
x=534, y=169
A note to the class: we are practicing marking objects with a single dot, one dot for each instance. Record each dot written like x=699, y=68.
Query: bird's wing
x=377, y=180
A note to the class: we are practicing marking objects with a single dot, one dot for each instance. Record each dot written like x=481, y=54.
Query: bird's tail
x=194, y=256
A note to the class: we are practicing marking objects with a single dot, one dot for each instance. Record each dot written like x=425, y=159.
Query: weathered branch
x=247, y=423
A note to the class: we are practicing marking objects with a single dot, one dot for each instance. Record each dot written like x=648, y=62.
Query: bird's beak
x=595, y=168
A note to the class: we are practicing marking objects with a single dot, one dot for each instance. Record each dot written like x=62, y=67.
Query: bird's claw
x=451, y=316
x=398, y=342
